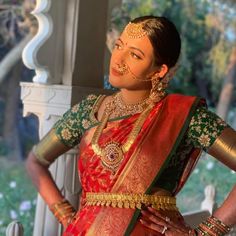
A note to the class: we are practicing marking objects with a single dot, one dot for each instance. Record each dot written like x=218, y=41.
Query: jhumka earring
x=158, y=90
x=159, y=85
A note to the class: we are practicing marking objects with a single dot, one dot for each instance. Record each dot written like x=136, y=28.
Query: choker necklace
x=111, y=154
x=119, y=108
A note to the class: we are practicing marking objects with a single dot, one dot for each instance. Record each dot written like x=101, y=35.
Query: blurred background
x=207, y=69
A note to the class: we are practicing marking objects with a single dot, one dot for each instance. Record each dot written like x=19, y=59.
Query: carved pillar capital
x=44, y=53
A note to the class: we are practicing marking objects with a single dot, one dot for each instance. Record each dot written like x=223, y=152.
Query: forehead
x=142, y=43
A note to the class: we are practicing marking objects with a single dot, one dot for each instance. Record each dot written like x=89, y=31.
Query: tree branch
x=12, y=57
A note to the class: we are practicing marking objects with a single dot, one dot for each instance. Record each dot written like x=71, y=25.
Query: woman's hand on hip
x=161, y=224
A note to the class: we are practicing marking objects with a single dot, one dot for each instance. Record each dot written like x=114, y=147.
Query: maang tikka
x=135, y=30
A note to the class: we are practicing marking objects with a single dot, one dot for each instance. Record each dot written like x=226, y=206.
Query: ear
x=159, y=72
x=162, y=71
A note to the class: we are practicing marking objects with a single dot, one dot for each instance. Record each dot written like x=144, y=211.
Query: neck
x=134, y=96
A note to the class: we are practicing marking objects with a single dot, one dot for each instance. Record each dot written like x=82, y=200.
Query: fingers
x=160, y=223
x=164, y=219
x=153, y=222
x=153, y=226
x=153, y=218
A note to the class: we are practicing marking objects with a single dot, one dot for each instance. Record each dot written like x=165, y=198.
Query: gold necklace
x=112, y=153
x=122, y=109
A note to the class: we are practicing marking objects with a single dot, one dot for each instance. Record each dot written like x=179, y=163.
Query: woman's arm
x=42, y=180
x=64, y=135
x=224, y=149
x=38, y=161
x=227, y=211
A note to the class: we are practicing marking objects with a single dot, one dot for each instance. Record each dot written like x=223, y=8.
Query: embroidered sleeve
x=204, y=128
x=75, y=122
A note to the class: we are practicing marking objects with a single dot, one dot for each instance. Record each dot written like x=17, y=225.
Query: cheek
x=140, y=69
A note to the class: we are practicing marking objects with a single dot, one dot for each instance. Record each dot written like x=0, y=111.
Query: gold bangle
x=212, y=226
x=219, y=224
x=62, y=210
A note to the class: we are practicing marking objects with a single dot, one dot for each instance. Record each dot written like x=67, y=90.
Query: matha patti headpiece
x=135, y=30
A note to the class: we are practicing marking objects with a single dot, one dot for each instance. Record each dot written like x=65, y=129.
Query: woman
x=138, y=146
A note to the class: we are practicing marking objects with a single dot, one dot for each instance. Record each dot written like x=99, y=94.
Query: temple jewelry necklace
x=112, y=153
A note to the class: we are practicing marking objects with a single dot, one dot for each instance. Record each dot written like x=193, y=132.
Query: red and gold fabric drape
x=157, y=141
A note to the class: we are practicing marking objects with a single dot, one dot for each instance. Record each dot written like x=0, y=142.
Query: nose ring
x=123, y=68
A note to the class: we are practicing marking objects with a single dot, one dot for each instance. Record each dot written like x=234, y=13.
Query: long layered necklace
x=112, y=153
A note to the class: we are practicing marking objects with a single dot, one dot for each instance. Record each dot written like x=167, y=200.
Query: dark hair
x=164, y=38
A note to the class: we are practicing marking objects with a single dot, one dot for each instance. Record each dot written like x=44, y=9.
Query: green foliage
x=17, y=196
x=208, y=171
x=218, y=56
x=3, y=148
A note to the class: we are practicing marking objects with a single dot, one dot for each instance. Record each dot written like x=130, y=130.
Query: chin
x=115, y=82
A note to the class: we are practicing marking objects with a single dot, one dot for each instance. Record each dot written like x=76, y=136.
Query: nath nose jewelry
x=123, y=68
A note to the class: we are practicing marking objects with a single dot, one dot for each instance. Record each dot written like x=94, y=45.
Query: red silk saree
x=139, y=170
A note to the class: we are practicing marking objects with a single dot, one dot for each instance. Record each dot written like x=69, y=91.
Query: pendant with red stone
x=112, y=156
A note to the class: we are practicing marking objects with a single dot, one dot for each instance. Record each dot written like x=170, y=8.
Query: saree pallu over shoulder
x=152, y=153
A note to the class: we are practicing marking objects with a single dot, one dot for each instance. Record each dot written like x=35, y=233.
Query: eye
x=134, y=55
x=117, y=46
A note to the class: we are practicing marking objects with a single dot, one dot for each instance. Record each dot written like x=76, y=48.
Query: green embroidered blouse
x=204, y=128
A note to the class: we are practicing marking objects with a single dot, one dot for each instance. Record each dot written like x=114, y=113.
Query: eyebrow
x=134, y=48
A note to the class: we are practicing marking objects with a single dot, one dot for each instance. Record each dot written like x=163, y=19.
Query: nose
x=119, y=57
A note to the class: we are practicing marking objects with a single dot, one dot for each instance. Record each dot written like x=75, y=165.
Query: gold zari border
x=132, y=201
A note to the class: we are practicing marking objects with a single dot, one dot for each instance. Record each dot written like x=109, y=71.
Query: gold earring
x=158, y=89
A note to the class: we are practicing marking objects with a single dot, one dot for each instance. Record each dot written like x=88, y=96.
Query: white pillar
x=48, y=41
x=67, y=55
x=48, y=103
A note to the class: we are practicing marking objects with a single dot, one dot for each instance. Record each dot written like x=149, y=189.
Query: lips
x=116, y=72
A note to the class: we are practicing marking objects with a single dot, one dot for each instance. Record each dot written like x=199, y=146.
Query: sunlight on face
x=132, y=60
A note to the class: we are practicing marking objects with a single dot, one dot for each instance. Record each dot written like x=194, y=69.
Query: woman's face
x=131, y=62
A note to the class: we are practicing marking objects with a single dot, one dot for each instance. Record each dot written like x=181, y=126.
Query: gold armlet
x=224, y=148
x=49, y=148
x=40, y=158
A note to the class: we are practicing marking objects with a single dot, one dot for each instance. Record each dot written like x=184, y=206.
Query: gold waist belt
x=133, y=201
